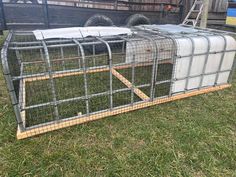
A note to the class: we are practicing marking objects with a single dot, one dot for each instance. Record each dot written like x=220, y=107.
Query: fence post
x=3, y=20
x=46, y=14
x=115, y=5
x=204, y=17
x=181, y=12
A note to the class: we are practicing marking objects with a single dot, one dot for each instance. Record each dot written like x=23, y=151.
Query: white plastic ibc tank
x=186, y=49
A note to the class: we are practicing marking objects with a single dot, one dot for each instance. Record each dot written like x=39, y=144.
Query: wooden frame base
x=80, y=120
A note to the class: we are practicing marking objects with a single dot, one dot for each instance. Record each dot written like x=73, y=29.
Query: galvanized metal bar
x=133, y=79
x=206, y=60
x=52, y=84
x=18, y=56
x=74, y=58
x=190, y=65
x=205, y=53
x=54, y=60
x=8, y=78
x=85, y=74
x=221, y=59
x=155, y=65
x=56, y=73
x=23, y=33
x=71, y=45
x=26, y=48
x=63, y=58
x=206, y=74
x=78, y=51
x=41, y=55
x=60, y=41
x=133, y=68
x=61, y=45
x=94, y=52
x=21, y=86
x=98, y=55
x=123, y=50
x=156, y=62
x=76, y=98
x=174, y=61
x=38, y=42
x=110, y=69
x=210, y=30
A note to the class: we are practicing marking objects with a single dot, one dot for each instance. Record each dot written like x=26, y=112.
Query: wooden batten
x=137, y=91
x=125, y=66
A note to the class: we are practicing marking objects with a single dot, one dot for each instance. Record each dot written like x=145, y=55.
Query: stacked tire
x=102, y=20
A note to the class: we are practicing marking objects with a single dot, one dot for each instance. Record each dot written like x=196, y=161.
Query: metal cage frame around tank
x=143, y=33
x=205, y=33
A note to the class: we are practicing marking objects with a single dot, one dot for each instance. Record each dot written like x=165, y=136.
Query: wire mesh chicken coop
x=56, y=83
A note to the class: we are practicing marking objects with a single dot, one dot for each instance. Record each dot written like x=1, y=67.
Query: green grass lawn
x=191, y=137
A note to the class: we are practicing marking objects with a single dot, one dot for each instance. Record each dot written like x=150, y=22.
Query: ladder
x=196, y=8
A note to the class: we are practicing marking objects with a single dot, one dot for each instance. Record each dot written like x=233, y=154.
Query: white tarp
x=80, y=32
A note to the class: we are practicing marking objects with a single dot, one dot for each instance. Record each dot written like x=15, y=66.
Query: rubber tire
x=137, y=19
x=99, y=20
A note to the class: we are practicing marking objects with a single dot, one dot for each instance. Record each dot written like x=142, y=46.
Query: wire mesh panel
x=55, y=83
